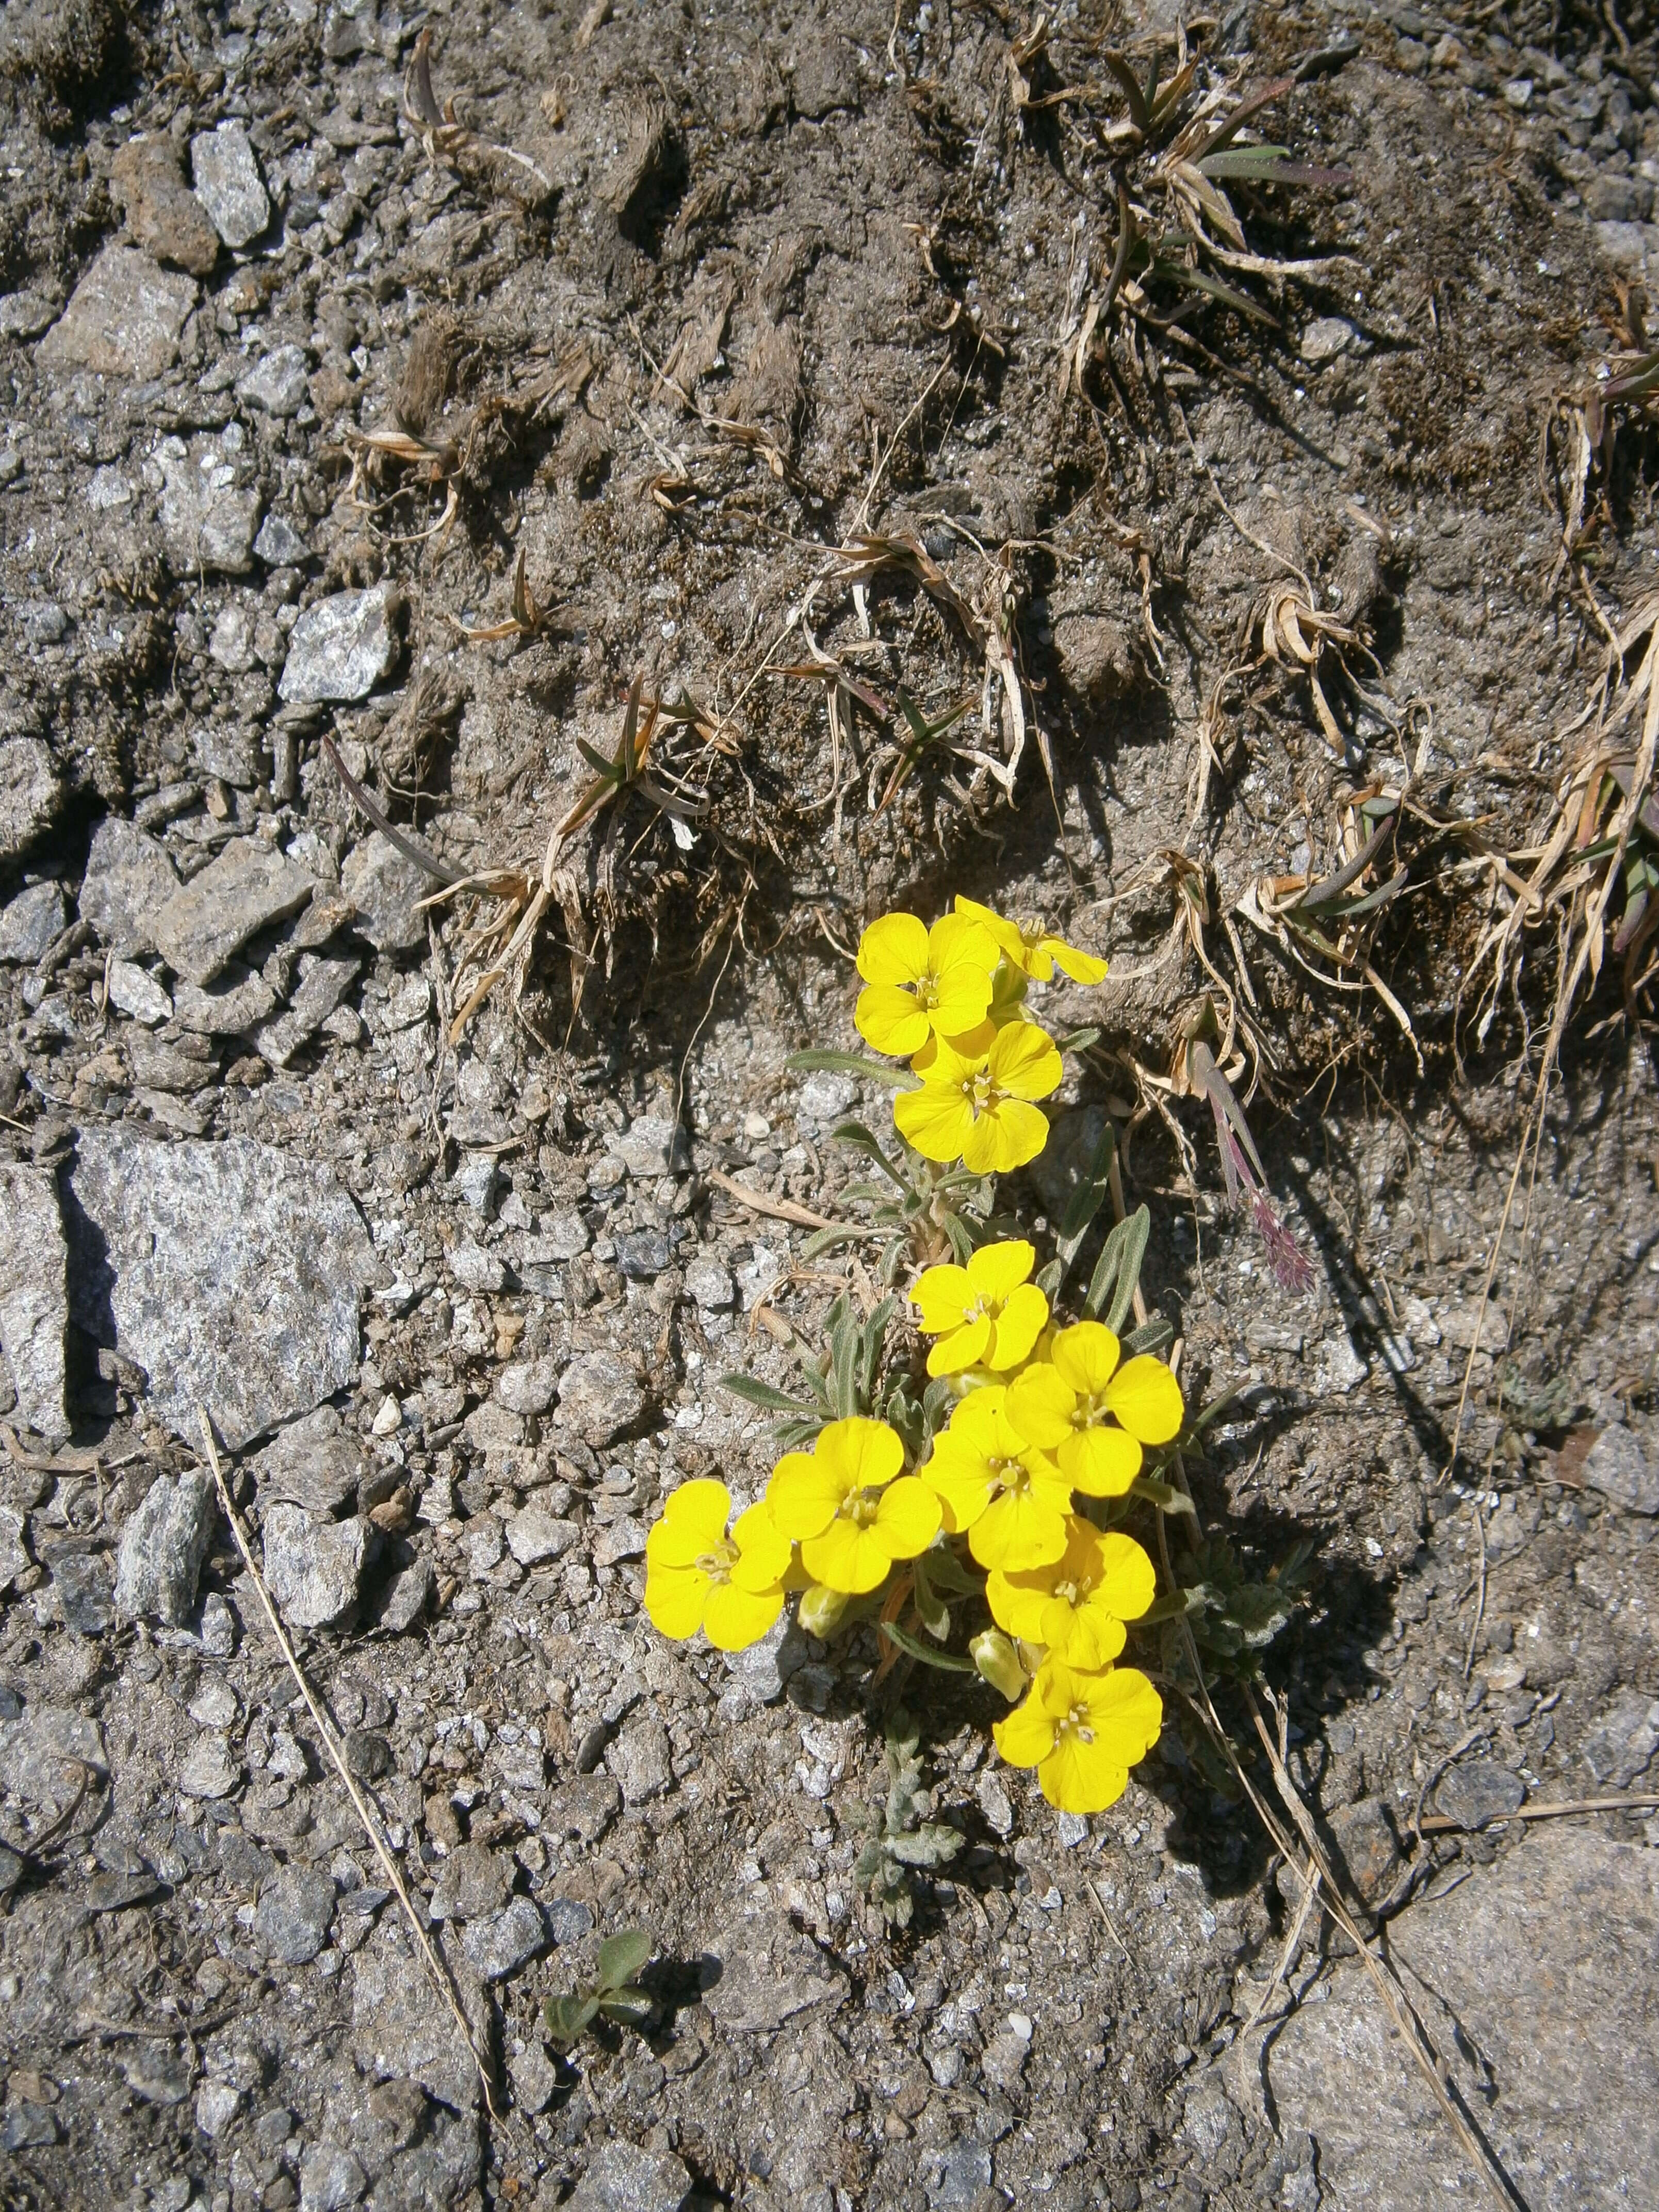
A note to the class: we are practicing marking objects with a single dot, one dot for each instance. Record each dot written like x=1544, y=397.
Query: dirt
x=676, y=303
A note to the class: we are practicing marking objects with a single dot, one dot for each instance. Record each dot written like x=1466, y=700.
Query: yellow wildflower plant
x=841, y=1503
x=920, y=982
x=1082, y=1732
x=988, y=1314
x=1031, y=946
x=1076, y=1605
x=1011, y=1501
x=697, y=1577
x=977, y=1106
x=1093, y=1414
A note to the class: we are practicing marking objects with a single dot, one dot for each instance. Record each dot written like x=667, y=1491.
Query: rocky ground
x=683, y=301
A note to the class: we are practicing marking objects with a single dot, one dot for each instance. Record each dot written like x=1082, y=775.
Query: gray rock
x=585, y=1806
x=473, y=1882
x=279, y=544
x=342, y=647
x=209, y=920
x=209, y=1769
x=1324, y=337
x=230, y=647
x=228, y=184
x=954, y=2182
x=124, y=318
x=80, y=1582
x=1481, y=1791
x=313, y=1566
x=710, y=1286
x=766, y=1973
x=330, y=2179
x=295, y=1908
x=233, y=1004
x=13, y=1552
x=34, y=1296
x=534, y=2078
x=569, y=1919
x=323, y=984
x=1618, y=1749
x=642, y=1255
x=501, y=1942
x=622, y=2177
x=535, y=1534
x=277, y=385
x=163, y=215
x=134, y=992
x=367, y=1753
x=651, y=1146
x=1569, y=1924
x=398, y=2034
x=28, y=2127
x=386, y=886
x=218, y=1627
x=639, y=1759
x=30, y=923
x=230, y=1272
x=405, y=1598
x=31, y=794
x=600, y=1396
x=43, y=621
x=207, y=525
x=217, y=2104
x=1370, y=1849
x=128, y=879
x=993, y=1802
x=159, y=2072
x=620, y=1539
x=43, y=1751
x=1621, y=1465
x=763, y=1669
x=474, y=1268
x=162, y=1547
x=528, y=1386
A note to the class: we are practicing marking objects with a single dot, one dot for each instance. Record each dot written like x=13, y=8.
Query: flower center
x=1031, y=931
x=979, y=1091
x=926, y=990
x=1011, y=1476
x=862, y=1509
x=1086, y=1413
x=1077, y=1723
x=1069, y=1593
x=717, y=1565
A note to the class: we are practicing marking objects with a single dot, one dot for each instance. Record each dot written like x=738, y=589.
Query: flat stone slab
x=342, y=647
x=207, y=921
x=34, y=1296
x=1546, y=1963
x=31, y=794
x=128, y=879
x=124, y=318
x=230, y=1272
x=226, y=172
x=163, y=215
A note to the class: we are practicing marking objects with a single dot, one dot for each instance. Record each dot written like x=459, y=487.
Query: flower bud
x=997, y=1659
x=821, y=1610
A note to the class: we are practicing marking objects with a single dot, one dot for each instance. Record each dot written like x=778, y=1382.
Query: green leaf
x=946, y=1572
x=1164, y=1495
x=762, y=1394
x=962, y=1244
x=852, y=1063
x=867, y=1141
x=1179, y=1607
x=926, y=1652
x=935, y=1614
x=873, y=1343
x=1077, y=1040
x=1117, y=1270
x=934, y=1843
x=622, y=1956
x=1151, y=1336
x=825, y=1240
x=630, y=2007
x=567, y=2016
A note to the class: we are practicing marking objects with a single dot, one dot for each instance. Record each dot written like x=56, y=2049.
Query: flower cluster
x=973, y=1489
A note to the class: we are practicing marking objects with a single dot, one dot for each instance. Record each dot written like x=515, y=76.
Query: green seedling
x=900, y=1839
x=614, y=1993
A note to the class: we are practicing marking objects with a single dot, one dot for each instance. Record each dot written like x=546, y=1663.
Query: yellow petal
x=894, y=950
x=1021, y=1528
x=1126, y=1713
x=1027, y=1735
x=962, y=940
x=996, y=1270
x=961, y=995
x=674, y=1599
x=933, y=1120
x=1081, y=967
x=734, y=1618
x=941, y=1296
x=863, y=1454
x=1086, y=1354
x=1146, y=1398
x=1024, y=1062
x=1003, y=934
x=889, y=1020
x=1087, y=1636
x=963, y=1498
x=907, y=1519
x=1018, y=1603
x=1017, y=1327
x=803, y=1495
x=1010, y=1135
x=1081, y=1777
x=964, y=1347
x=764, y=1552
x=1040, y=1403
x=702, y=1508
x=1100, y=1461
x=1125, y=1582
x=847, y=1557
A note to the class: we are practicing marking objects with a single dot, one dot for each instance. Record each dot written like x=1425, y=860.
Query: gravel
x=163, y=1545
x=295, y=1909
x=314, y=1566
x=342, y=647
x=34, y=1296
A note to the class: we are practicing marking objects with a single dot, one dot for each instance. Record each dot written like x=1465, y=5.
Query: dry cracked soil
x=385, y=394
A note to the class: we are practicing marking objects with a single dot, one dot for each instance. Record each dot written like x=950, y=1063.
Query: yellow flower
x=1082, y=1733
x=1012, y=1501
x=1078, y=1604
x=1093, y=1414
x=1034, y=950
x=975, y=1106
x=985, y=1315
x=920, y=981
x=840, y=1502
x=697, y=1577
